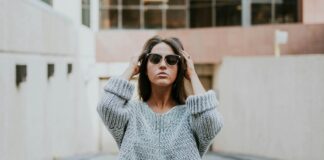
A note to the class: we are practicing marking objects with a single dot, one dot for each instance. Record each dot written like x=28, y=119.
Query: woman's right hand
x=134, y=66
x=132, y=70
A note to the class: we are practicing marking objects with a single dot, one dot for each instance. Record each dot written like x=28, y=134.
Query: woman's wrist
x=197, y=87
x=193, y=75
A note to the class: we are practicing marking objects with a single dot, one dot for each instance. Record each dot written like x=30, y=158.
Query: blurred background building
x=56, y=55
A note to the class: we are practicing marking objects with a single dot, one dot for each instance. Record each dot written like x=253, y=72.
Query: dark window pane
x=85, y=2
x=176, y=18
x=85, y=12
x=286, y=11
x=86, y=16
x=228, y=12
x=152, y=2
x=200, y=13
x=261, y=12
x=131, y=2
x=108, y=2
x=176, y=2
x=49, y=2
x=131, y=18
x=153, y=18
x=108, y=18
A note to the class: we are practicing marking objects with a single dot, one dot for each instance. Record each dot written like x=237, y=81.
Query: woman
x=164, y=123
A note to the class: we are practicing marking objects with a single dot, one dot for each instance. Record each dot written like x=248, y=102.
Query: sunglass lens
x=155, y=58
x=172, y=59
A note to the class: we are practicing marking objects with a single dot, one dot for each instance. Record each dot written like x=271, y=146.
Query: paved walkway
x=208, y=156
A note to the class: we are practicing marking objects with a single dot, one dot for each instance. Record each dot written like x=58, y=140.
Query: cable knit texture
x=182, y=133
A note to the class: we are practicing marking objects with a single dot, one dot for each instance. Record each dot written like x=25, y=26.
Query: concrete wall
x=273, y=106
x=33, y=27
x=70, y=9
x=46, y=118
x=209, y=45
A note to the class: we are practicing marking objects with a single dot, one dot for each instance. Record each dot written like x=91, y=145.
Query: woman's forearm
x=197, y=87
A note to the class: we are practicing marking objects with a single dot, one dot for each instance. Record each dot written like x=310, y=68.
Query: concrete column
x=246, y=13
x=94, y=15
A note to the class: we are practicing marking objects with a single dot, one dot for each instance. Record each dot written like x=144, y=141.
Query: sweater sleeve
x=113, y=108
x=205, y=120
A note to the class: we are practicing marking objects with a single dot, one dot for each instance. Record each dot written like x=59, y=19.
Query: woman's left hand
x=190, y=65
x=192, y=76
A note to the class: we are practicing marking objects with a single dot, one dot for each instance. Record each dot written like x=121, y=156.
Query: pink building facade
x=211, y=44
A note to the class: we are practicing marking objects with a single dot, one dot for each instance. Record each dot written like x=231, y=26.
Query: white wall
x=43, y=119
x=37, y=116
x=33, y=27
x=88, y=81
x=273, y=106
x=88, y=86
x=72, y=10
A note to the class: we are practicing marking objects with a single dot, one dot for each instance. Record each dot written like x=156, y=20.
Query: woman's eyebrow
x=164, y=53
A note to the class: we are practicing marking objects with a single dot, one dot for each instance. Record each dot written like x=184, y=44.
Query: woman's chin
x=163, y=82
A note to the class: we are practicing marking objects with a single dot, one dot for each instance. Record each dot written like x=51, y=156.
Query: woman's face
x=162, y=73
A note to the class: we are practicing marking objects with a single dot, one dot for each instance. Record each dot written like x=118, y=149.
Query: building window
x=208, y=13
x=108, y=2
x=200, y=13
x=131, y=2
x=153, y=19
x=176, y=2
x=49, y=2
x=139, y=14
x=130, y=14
x=274, y=11
x=69, y=68
x=176, y=18
x=109, y=18
x=286, y=11
x=109, y=14
x=86, y=12
x=261, y=11
x=163, y=14
x=131, y=18
x=50, y=70
x=228, y=12
x=21, y=74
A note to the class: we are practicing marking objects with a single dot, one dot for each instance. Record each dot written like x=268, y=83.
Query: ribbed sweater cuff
x=202, y=102
x=120, y=87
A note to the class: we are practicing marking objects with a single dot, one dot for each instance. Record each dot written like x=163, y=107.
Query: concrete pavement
x=208, y=156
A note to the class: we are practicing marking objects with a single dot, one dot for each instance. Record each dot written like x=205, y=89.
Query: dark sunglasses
x=169, y=59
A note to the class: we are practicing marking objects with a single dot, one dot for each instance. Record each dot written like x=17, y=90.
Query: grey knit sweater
x=182, y=133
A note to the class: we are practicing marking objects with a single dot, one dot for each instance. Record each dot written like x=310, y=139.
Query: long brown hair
x=178, y=92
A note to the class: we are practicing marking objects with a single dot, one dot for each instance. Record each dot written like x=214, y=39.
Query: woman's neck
x=161, y=99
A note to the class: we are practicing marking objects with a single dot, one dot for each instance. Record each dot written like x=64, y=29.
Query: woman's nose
x=163, y=63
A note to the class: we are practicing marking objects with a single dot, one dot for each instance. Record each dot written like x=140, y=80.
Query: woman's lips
x=162, y=74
